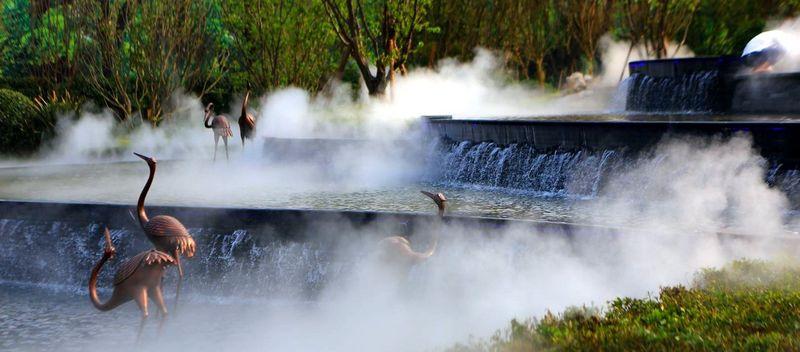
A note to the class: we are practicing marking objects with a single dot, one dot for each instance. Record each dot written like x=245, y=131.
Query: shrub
x=22, y=127
x=746, y=306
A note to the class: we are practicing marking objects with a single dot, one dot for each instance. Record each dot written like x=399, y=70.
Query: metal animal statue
x=138, y=278
x=247, y=122
x=222, y=129
x=396, y=250
x=165, y=232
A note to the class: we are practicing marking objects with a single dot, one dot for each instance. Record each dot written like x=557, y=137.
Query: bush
x=746, y=306
x=22, y=127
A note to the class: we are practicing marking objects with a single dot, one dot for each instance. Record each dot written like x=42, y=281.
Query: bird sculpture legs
x=158, y=297
x=225, y=140
x=144, y=278
x=216, y=144
x=177, y=257
x=180, y=274
x=141, y=300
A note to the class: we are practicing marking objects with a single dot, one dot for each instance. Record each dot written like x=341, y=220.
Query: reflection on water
x=34, y=319
x=265, y=186
x=480, y=180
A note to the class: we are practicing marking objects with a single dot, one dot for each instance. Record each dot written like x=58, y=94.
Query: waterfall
x=575, y=174
x=787, y=180
x=521, y=167
x=60, y=255
x=694, y=92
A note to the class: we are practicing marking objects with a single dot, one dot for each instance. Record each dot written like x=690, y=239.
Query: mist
x=678, y=197
x=479, y=88
x=617, y=54
x=686, y=191
x=789, y=37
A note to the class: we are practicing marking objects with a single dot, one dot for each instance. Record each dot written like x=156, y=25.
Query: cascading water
x=577, y=174
x=59, y=254
x=787, y=180
x=520, y=167
x=694, y=92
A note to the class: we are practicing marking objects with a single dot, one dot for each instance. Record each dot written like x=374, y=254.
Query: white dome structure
x=770, y=48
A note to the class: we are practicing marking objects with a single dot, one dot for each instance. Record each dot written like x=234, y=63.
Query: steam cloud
x=790, y=42
x=681, y=195
x=684, y=192
x=475, y=89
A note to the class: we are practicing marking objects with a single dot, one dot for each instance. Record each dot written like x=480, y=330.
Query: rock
x=577, y=82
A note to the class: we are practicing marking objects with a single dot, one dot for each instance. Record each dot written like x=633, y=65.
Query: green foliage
x=725, y=27
x=15, y=48
x=748, y=305
x=275, y=44
x=379, y=34
x=132, y=56
x=138, y=54
x=53, y=41
x=22, y=127
x=635, y=23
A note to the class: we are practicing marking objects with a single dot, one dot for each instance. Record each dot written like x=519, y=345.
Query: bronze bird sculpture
x=222, y=129
x=137, y=279
x=396, y=250
x=165, y=232
x=247, y=122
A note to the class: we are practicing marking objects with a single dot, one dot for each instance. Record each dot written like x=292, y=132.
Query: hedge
x=22, y=127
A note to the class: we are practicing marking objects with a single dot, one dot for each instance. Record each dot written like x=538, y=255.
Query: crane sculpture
x=222, y=129
x=247, y=122
x=396, y=250
x=138, y=278
x=165, y=232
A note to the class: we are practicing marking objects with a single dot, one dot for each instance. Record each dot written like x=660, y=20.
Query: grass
x=745, y=306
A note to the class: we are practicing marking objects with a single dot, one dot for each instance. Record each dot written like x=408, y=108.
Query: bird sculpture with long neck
x=138, y=278
x=219, y=124
x=165, y=232
x=247, y=122
x=397, y=249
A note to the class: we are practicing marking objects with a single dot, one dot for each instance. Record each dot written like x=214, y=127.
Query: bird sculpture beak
x=145, y=158
x=438, y=198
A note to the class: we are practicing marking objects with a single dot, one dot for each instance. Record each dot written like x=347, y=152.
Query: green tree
x=139, y=53
x=15, y=43
x=725, y=27
x=655, y=23
x=587, y=21
x=379, y=33
x=55, y=41
x=536, y=29
x=278, y=43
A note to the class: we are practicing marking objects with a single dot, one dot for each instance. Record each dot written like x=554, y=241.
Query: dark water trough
x=279, y=252
x=294, y=252
x=711, y=96
x=777, y=139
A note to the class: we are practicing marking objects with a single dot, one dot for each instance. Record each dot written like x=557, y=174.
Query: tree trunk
x=432, y=55
x=376, y=86
x=540, y=74
x=342, y=64
x=392, y=48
